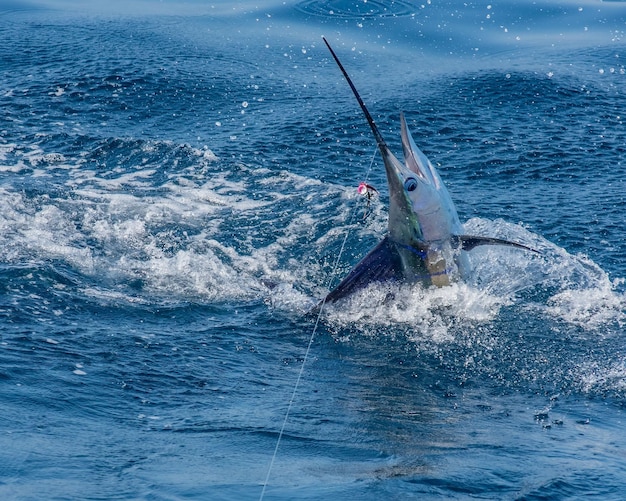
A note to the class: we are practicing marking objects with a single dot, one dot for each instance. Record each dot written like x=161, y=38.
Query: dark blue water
x=176, y=183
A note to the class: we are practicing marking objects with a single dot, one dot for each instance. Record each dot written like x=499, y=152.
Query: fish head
x=429, y=199
x=404, y=226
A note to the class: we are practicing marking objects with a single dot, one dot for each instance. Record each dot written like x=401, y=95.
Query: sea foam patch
x=422, y=314
x=160, y=220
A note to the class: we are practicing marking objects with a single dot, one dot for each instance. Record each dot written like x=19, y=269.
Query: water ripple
x=356, y=10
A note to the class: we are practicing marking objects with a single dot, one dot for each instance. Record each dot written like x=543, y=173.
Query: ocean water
x=177, y=181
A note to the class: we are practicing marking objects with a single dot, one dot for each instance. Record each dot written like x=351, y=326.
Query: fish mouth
x=415, y=160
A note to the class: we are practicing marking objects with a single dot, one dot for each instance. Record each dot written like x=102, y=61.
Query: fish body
x=425, y=241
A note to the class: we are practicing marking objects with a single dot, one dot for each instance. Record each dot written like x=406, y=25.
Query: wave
x=357, y=10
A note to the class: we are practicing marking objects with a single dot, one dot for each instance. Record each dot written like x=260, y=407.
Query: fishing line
x=311, y=338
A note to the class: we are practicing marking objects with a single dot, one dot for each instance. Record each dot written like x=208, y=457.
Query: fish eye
x=410, y=184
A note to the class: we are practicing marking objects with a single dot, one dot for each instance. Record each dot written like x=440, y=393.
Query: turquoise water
x=176, y=183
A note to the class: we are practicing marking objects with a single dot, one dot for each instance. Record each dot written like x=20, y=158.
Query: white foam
x=204, y=277
x=598, y=377
x=5, y=149
x=430, y=314
x=136, y=179
x=590, y=308
x=44, y=232
x=583, y=294
x=15, y=168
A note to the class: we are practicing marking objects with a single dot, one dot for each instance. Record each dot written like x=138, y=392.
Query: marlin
x=425, y=241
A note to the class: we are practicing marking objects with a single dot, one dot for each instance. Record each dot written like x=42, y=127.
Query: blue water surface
x=178, y=189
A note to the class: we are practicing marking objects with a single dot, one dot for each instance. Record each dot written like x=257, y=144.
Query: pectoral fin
x=381, y=264
x=468, y=242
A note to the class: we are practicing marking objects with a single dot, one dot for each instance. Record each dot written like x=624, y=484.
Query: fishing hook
x=368, y=191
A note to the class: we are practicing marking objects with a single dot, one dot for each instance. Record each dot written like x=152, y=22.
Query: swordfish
x=425, y=241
